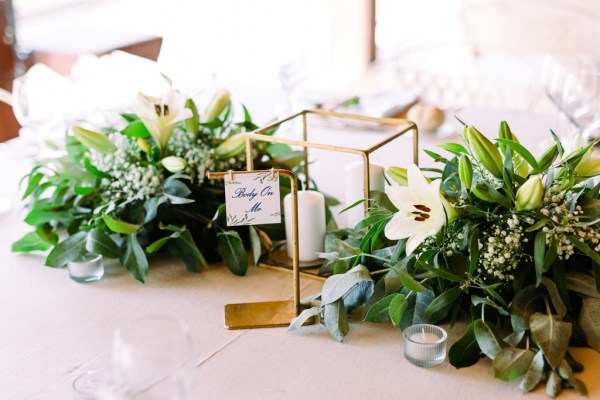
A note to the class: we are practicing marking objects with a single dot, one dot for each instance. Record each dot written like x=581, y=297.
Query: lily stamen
x=422, y=207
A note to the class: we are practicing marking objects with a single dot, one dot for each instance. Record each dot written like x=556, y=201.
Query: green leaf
x=68, y=250
x=231, y=248
x=33, y=182
x=465, y=351
x=473, y=250
x=554, y=384
x=336, y=286
x=488, y=339
x=94, y=140
x=410, y=283
x=49, y=213
x=415, y=312
x=30, y=242
x=539, y=252
x=525, y=302
x=151, y=206
x=522, y=151
x=84, y=190
x=442, y=273
x=589, y=321
x=176, y=188
x=565, y=372
x=442, y=301
x=255, y=244
x=192, y=124
x=380, y=311
x=559, y=305
x=336, y=320
x=99, y=242
x=454, y=148
x=397, y=307
x=119, y=226
x=551, y=335
x=136, y=129
x=303, y=317
x=512, y=363
x=534, y=374
x=184, y=248
x=134, y=258
x=582, y=283
x=585, y=249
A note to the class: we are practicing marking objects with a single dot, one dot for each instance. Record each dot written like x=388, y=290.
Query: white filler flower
x=421, y=210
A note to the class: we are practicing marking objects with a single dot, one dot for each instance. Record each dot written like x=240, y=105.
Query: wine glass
x=581, y=99
x=293, y=71
x=153, y=359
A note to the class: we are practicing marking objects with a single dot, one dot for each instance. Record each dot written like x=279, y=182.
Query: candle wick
x=423, y=333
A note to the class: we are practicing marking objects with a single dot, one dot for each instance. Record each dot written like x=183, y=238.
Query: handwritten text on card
x=252, y=199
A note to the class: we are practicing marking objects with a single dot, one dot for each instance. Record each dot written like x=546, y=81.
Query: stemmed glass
x=581, y=100
x=293, y=71
x=153, y=359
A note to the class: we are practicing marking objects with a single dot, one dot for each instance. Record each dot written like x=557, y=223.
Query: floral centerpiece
x=506, y=239
x=135, y=188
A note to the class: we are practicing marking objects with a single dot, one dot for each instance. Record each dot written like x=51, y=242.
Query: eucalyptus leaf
x=232, y=250
x=134, y=259
x=335, y=319
x=559, y=305
x=582, y=283
x=415, y=311
x=397, y=307
x=488, y=338
x=524, y=303
x=380, y=311
x=99, y=242
x=336, y=286
x=68, y=250
x=358, y=295
x=554, y=384
x=183, y=247
x=30, y=242
x=442, y=301
x=465, y=351
x=303, y=317
x=534, y=374
x=411, y=283
x=119, y=226
x=589, y=321
x=552, y=335
x=512, y=363
x=565, y=372
x=254, y=244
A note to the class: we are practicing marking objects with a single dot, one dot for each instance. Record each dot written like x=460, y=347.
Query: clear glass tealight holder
x=425, y=345
x=87, y=268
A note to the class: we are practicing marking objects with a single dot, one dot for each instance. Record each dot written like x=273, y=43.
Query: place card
x=252, y=199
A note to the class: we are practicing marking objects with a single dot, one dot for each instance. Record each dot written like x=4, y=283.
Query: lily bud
x=485, y=151
x=143, y=145
x=398, y=174
x=481, y=191
x=465, y=171
x=174, y=164
x=231, y=147
x=218, y=103
x=548, y=156
x=530, y=194
x=588, y=167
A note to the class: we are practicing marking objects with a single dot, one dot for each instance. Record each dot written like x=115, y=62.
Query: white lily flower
x=161, y=114
x=420, y=210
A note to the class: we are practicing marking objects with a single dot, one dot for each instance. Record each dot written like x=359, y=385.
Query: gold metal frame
x=258, y=135
x=271, y=313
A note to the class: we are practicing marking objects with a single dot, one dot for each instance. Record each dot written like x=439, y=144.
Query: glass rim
x=184, y=329
x=413, y=329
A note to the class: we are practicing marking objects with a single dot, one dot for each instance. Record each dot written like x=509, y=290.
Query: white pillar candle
x=311, y=224
x=354, y=188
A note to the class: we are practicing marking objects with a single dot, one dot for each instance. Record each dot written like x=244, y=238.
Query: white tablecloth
x=53, y=329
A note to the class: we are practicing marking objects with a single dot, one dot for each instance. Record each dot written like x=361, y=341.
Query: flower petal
x=401, y=197
x=414, y=242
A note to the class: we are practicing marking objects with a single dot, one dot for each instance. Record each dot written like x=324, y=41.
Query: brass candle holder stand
x=400, y=127
x=270, y=313
x=280, y=313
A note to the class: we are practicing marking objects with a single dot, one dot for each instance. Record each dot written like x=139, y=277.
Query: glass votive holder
x=425, y=345
x=87, y=268
x=90, y=385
